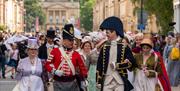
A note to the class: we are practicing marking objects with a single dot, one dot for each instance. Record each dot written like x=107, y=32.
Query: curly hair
x=83, y=44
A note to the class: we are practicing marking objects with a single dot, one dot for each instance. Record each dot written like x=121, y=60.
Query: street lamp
x=141, y=20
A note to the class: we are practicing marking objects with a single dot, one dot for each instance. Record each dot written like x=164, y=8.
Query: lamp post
x=141, y=16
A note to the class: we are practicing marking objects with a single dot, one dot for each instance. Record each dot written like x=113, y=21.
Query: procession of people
x=106, y=60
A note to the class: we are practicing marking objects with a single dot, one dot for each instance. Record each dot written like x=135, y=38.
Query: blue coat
x=123, y=52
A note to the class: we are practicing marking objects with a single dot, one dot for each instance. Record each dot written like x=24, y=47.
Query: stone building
x=177, y=15
x=2, y=10
x=11, y=15
x=124, y=9
x=59, y=12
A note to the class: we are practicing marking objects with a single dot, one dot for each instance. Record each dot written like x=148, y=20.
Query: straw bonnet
x=147, y=41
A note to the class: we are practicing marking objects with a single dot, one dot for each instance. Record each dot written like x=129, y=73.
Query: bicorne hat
x=113, y=23
x=68, y=32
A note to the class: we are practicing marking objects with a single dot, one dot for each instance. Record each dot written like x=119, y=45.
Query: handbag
x=175, y=54
x=50, y=86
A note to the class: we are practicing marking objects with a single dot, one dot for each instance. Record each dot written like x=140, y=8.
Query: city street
x=8, y=84
x=90, y=43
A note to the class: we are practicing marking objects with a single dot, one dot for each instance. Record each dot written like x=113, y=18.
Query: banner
x=37, y=24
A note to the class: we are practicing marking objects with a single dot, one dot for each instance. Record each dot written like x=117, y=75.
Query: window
x=63, y=14
x=57, y=17
x=50, y=17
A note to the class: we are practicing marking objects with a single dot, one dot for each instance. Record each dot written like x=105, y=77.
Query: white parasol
x=16, y=38
x=96, y=36
x=77, y=33
x=128, y=36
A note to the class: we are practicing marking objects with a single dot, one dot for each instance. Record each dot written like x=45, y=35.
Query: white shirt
x=111, y=73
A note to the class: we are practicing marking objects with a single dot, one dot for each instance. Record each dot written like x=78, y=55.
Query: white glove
x=58, y=73
x=113, y=65
x=98, y=86
x=84, y=84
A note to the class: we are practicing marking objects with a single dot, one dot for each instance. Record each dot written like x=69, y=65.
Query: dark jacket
x=123, y=52
x=42, y=54
x=22, y=53
x=2, y=49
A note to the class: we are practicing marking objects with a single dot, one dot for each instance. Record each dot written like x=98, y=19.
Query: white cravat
x=49, y=48
x=49, y=45
x=113, y=43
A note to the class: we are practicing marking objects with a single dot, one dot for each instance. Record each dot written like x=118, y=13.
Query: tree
x=2, y=27
x=33, y=10
x=86, y=14
x=163, y=10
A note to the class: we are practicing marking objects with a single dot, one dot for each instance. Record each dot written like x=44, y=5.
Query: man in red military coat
x=64, y=63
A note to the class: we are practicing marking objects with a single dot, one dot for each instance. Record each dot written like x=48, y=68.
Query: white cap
x=87, y=38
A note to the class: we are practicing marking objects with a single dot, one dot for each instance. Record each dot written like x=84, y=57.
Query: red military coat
x=55, y=58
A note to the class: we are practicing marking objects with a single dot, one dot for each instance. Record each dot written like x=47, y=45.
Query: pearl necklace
x=32, y=61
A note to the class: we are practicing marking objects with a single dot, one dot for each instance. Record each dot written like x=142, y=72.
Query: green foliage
x=86, y=14
x=33, y=10
x=163, y=9
x=2, y=27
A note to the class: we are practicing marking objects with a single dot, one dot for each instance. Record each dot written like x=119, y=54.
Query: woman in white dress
x=148, y=68
x=29, y=69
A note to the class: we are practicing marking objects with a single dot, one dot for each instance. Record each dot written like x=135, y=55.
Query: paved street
x=176, y=88
x=8, y=84
x=114, y=35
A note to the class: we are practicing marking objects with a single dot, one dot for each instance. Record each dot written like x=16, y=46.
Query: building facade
x=2, y=10
x=177, y=15
x=11, y=15
x=60, y=12
x=124, y=9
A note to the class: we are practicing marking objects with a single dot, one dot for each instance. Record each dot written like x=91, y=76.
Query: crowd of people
x=107, y=60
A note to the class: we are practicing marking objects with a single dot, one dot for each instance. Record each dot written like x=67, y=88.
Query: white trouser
x=113, y=86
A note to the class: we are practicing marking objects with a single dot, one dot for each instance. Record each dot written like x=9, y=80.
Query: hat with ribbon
x=32, y=43
x=148, y=42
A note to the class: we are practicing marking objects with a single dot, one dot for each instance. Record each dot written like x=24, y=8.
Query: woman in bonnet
x=29, y=69
x=148, y=67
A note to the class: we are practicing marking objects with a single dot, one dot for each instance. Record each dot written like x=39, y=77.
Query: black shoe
x=12, y=77
x=3, y=76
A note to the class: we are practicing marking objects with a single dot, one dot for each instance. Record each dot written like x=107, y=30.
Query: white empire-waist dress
x=31, y=75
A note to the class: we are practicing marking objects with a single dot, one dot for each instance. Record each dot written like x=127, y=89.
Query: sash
x=163, y=78
x=67, y=59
